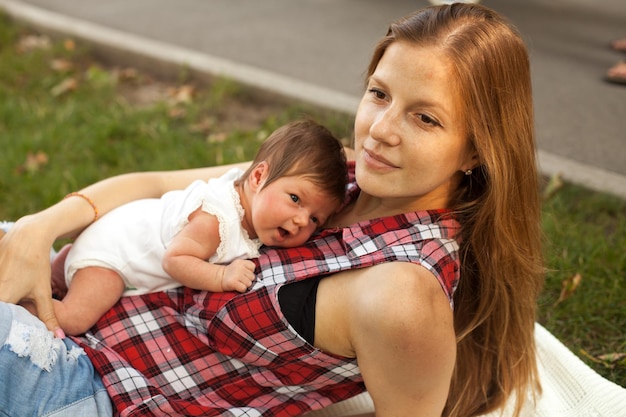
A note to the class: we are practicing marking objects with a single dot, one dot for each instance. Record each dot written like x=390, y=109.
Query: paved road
x=317, y=50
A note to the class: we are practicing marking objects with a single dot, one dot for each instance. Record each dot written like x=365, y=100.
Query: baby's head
x=300, y=165
x=304, y=148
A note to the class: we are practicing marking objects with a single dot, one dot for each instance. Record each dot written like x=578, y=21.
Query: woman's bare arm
x=24, y=250
x=405, y=343
x=396, y=320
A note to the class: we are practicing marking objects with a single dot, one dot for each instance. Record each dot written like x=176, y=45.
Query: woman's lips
x=377, y=161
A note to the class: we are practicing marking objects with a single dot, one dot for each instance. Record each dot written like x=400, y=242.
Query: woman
x=447, y=187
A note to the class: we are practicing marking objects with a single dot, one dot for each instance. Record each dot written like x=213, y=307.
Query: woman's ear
x=257, y=177
x=472, y=160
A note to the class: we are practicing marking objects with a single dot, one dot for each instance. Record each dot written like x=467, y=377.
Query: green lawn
x=66, y=121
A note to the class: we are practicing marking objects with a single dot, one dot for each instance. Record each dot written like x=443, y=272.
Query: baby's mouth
x=282, y=232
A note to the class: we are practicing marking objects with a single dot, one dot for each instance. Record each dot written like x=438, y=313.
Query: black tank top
x=297, y=302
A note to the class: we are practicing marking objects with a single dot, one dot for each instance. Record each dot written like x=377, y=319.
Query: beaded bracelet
x=87, y=199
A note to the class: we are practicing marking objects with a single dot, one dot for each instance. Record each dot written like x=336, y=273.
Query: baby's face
x=289, y=210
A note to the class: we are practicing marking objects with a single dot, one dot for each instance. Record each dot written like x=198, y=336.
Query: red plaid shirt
x=191, y=353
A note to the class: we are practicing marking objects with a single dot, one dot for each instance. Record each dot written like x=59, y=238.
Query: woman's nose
x=386, y=126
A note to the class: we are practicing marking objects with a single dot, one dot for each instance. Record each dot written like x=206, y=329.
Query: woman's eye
x=377, y=93
x=294, y=198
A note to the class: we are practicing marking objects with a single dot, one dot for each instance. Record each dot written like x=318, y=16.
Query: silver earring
x=468, y=172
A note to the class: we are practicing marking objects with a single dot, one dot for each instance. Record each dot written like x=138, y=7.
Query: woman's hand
x=25, y=249
x=25, y=269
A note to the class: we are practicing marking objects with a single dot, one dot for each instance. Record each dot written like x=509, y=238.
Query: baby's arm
x=185, y=258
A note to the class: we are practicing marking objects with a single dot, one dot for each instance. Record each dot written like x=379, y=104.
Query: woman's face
x=411, y=146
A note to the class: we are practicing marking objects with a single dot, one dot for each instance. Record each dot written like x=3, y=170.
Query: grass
x=586, y=239
x=67, y=121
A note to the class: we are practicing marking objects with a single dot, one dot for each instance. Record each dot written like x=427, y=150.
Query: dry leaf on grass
x=613, y=357
x=608, y=360
x=125, y=74
x=554, y=184
x=219, y=137
x=568, y=286
x=65, y=86
x=61, y=65
x=204, y=125
x=182, y=94
x=69, y=44
x=33, y=163
x=32, y=42
x=176, y=112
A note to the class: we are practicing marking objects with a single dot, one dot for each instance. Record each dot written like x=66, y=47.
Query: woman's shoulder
x=398, y=290
x=392, y=301
x=392, y=295
x=404, y=339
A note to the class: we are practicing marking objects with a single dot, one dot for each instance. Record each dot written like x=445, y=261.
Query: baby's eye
x=315, y=220
x=294, y=198
x=428, y=120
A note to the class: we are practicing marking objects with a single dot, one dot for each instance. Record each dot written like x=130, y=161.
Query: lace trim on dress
x=253, y=245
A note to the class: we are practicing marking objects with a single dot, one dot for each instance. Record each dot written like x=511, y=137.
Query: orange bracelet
x=87, y=199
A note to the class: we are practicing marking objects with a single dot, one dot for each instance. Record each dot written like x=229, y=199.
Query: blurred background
x=318, y=50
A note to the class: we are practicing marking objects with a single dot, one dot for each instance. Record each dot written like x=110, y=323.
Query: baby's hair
x=304, y=148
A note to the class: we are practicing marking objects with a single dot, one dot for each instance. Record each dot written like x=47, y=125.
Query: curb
x=170, y=55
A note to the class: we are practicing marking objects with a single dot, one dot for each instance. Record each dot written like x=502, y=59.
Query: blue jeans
x=44, y=376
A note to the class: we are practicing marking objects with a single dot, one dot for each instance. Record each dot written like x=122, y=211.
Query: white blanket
x=570, y=388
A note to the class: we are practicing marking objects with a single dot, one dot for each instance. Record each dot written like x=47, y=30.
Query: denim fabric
x=43, y=376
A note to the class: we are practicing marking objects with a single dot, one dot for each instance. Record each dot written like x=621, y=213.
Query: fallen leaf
x=65, y=86
x=203, y=126
x=33, y=163
x=69, y=45
x=176, y=112
x=612, y=357
x=217, y=137
x=554, y=184
x=126, y=74
x=182, y=94
x=32, y=42
x=61, y=65
x=608, y=360
x=568, y=286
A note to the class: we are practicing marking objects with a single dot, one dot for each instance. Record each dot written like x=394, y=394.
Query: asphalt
x=317, y=50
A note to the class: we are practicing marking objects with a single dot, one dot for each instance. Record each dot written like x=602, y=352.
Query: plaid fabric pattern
x=191, y=353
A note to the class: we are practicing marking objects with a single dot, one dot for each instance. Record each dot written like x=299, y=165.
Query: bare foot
x=57, y=279
x=617, y=73
x=619, y=45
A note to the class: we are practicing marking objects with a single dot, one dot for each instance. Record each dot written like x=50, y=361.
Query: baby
x=202, y=237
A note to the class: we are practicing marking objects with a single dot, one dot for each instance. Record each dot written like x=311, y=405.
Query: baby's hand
x=238, y=276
